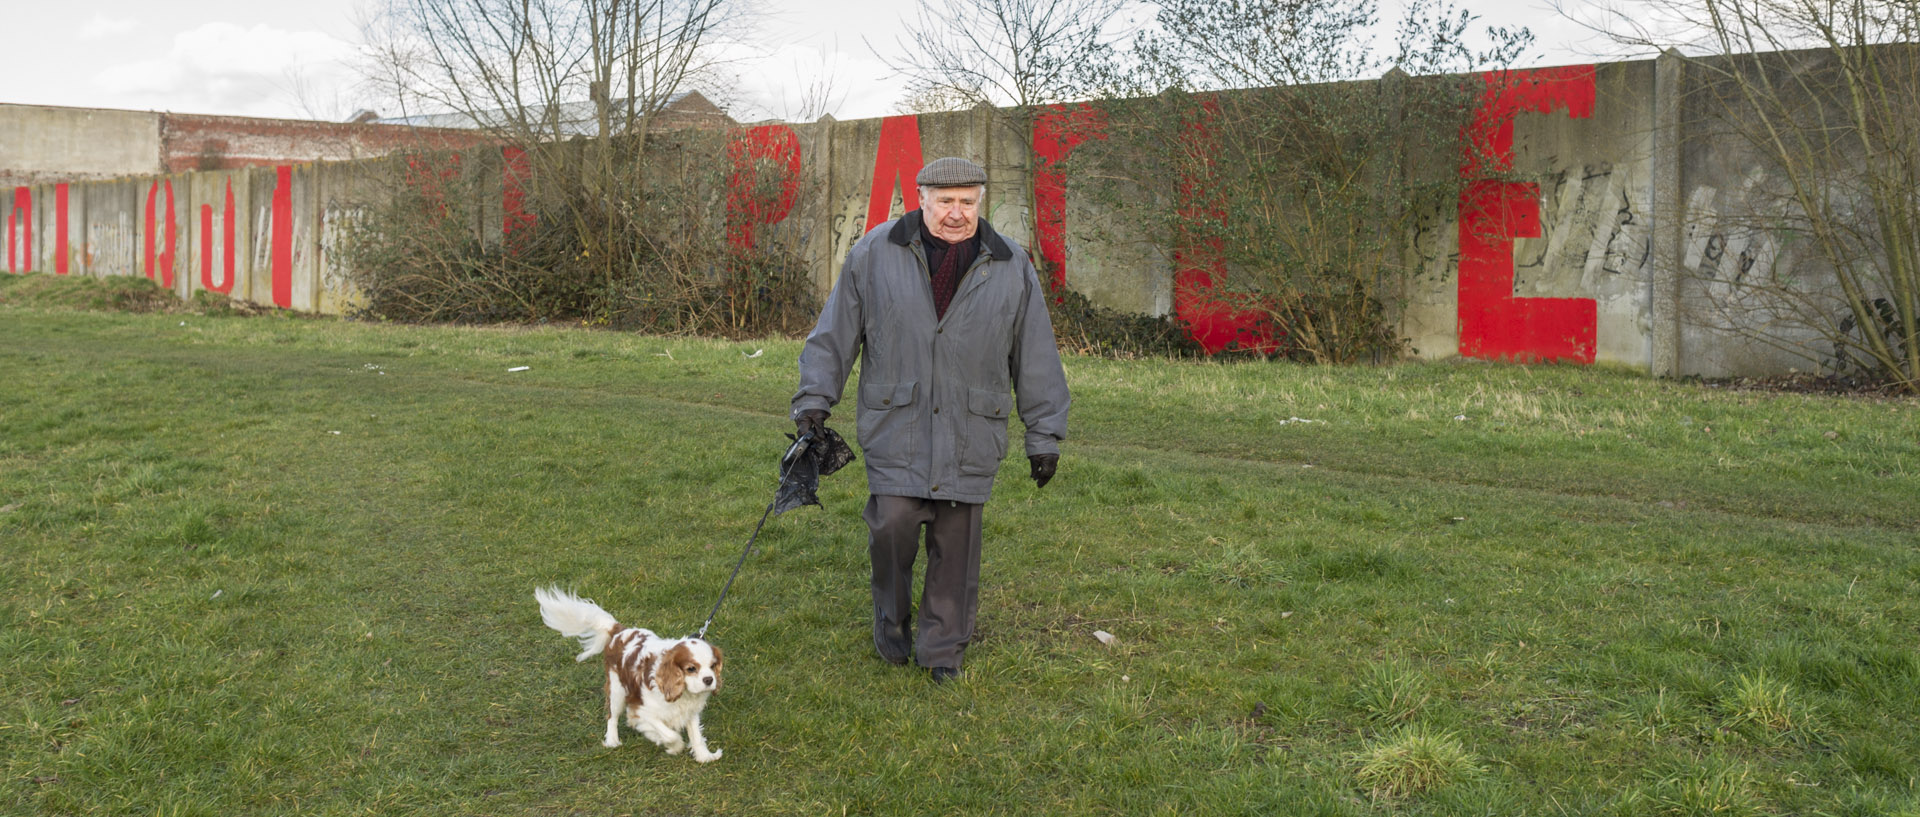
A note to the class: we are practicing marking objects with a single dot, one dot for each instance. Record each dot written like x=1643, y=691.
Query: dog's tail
x=576, y=617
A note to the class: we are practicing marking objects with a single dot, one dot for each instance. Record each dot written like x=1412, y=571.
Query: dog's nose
x=707, y=680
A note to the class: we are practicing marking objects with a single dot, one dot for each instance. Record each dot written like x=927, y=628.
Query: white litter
x=1104, y=636
x=216, y=594
x=519, y=368
x=1297, y=420
x=756, y=353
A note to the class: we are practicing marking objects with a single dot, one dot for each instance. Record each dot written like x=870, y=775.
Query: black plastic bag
x=806, y=461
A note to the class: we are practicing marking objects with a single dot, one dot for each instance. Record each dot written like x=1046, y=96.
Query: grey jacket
x=935, y=397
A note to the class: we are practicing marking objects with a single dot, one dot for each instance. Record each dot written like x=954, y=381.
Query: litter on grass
x=519, y=368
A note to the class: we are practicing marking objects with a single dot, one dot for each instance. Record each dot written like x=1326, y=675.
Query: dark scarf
x=947, y=262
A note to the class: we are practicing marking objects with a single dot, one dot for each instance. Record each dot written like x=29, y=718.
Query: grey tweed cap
x=951, y=171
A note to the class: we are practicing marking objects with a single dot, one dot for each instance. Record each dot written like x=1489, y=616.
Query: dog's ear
x=716, y=665
x=671, y=674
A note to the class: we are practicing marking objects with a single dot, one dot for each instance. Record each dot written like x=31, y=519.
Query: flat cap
x=951, y=171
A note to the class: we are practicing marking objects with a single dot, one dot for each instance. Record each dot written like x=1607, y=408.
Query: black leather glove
x=1043, y=465
x=811, y=421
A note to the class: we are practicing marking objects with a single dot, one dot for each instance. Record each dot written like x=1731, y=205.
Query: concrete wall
x=40, y=143
x=1588, y=232
x=193, y=142
x=264, y=235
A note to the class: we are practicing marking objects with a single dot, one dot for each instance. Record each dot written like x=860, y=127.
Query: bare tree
x=1298, y=192
x=603, y=214
x=1007, y=53
x=1822, y=99
x=1220, y=44
x=538, y=70
x=593, y=74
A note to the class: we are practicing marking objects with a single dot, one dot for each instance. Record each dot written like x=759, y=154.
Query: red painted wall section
x=20, y=229
x=1493, y=323
x=513, y=193
x=1212, y=319
x=282, y=238
x=227, y=249
x=226, y=245
x=895, y=164
x=60, y=229
x=753, y=153
x=146, y=235
x=164, y=260
x=206, y=246
x=1057, y=130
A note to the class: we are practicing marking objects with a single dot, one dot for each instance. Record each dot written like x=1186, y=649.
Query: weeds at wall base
x=116, y=294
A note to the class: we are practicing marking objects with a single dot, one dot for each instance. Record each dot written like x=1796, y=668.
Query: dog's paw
x=611, y=743
x=705, y=756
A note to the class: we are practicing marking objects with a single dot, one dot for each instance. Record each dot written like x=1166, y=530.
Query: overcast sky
x=293, y=59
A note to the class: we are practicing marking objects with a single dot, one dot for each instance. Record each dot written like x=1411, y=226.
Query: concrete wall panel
x=1611, y=226
x=113, y=210
x=40, y=143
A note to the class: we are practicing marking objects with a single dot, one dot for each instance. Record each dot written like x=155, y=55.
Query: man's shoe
x=942, y=675
x=891, y=642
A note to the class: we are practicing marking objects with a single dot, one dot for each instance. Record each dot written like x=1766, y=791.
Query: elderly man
x=949, y=322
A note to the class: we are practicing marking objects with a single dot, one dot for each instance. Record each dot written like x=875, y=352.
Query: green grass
x=284, y=566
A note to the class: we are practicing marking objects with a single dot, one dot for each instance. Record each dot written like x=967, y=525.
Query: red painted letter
x=60, y=228
x=21, y=219
x=282, y=247
x=206, y=246
x=1494, y=323
x=755, y=153
x=1199, y=263
x=897, y=162
x=227, y=231
x=513, y=192
x=1056, y=132
x=165, y=257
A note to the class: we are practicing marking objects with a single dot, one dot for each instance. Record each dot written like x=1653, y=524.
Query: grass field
x=270, y=565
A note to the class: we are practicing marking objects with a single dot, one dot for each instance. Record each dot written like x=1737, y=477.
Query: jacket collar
x=907, y=227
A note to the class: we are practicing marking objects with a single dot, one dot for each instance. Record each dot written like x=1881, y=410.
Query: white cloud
x=790, y=81
x=222, y=67
x=100, y=27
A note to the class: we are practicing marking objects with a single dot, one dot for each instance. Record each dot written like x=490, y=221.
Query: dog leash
x=787, y=460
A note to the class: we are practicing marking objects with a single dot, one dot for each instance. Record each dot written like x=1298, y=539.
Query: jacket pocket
x=886, y=431
x=985, y=442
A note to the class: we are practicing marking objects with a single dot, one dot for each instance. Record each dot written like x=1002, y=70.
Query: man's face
x=951, y=213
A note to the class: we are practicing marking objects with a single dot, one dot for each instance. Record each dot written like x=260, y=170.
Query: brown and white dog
x=661, y=683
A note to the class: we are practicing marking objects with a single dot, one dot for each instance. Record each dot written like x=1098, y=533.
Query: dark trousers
x=951, y=593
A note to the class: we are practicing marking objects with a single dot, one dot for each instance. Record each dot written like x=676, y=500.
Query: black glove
x=810, y=422
x=1043, y=465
